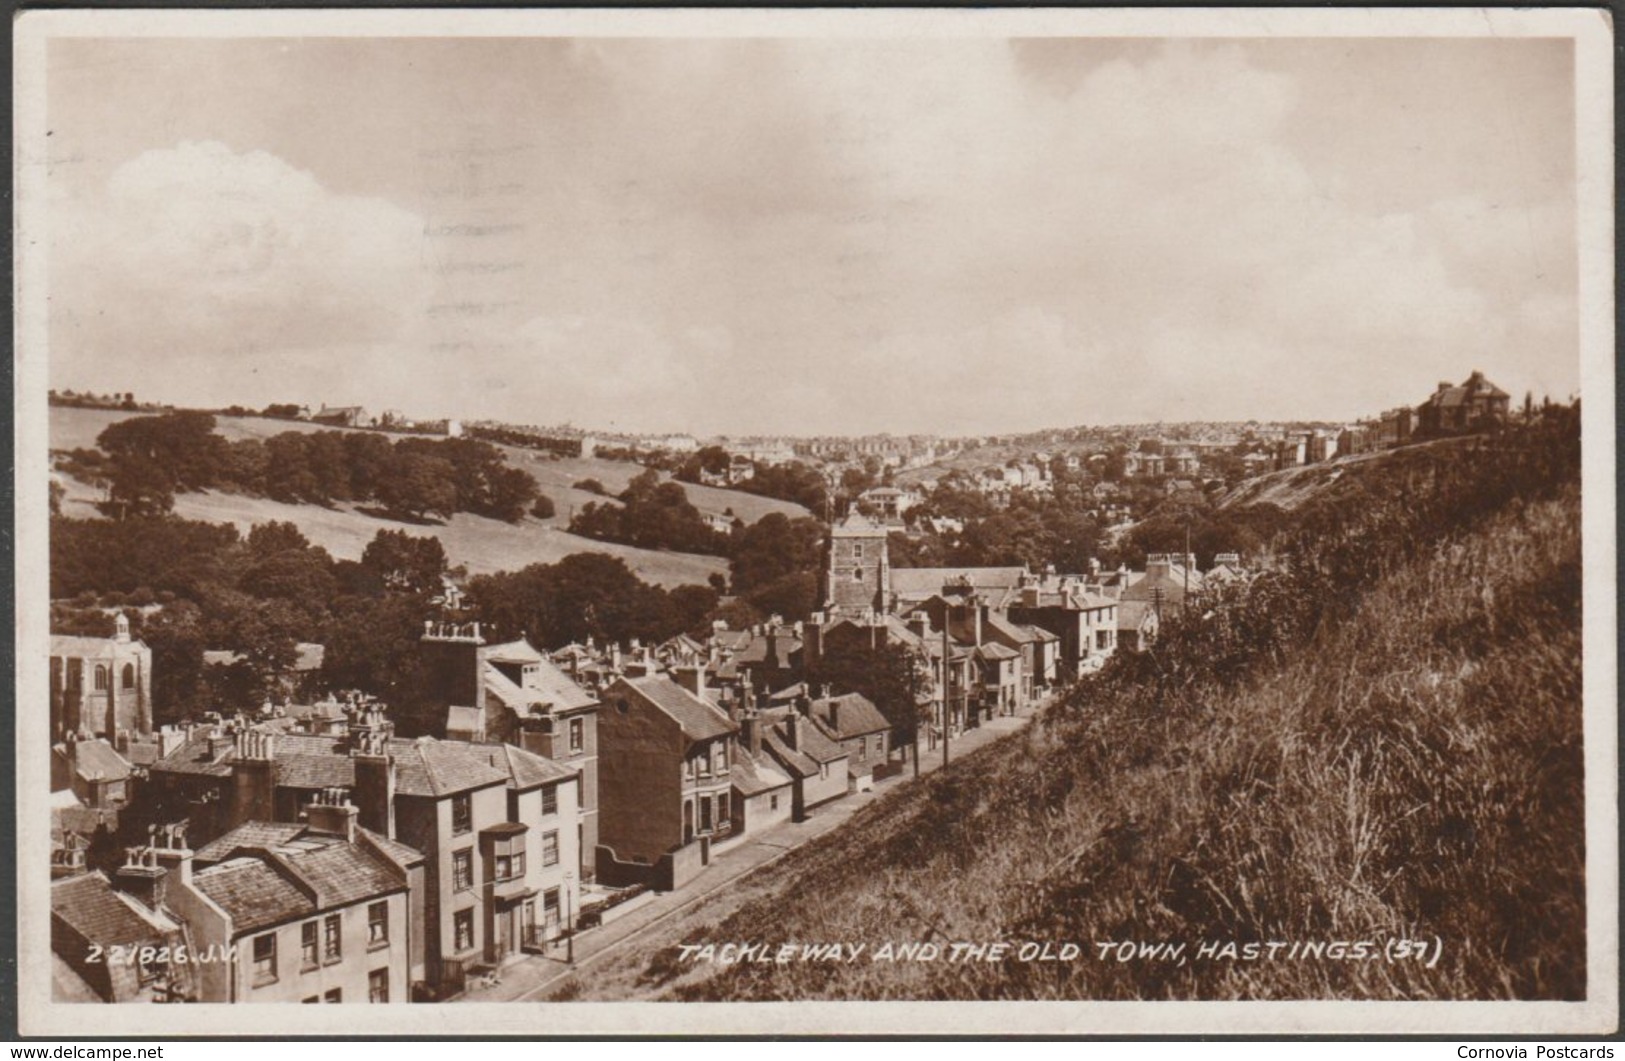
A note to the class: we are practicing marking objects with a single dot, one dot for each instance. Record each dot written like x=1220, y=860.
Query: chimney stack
x=691, y=677
x=792, y=731
x=374, y=792
x=332, y=812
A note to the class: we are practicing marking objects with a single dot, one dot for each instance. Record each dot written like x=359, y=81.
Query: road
x=534, y=976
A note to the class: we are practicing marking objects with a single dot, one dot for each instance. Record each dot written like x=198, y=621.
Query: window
x=462, y=814
x=705, y=763
x=265, y=958
x=550, y=799
x=462, y=869
x=312, y=999
x=857, y=574
x=705, y=814
x=722, y=757
x=333, y=942
x=378, y=924
x=129, y=676
x=510, y=867
x=335, y=995
x=773, y=802
x=378, y=985
x=550, y=848
x=309, y=955
x=863, y=749
x=463, y=928
x=101, y=678
x=857, y=550
x=550, y=906
x=578, y=735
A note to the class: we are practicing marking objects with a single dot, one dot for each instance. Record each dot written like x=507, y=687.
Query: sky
x=813, y=236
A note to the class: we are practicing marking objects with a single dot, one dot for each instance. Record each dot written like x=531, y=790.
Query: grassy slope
x=484, y=545
x=1414, y=771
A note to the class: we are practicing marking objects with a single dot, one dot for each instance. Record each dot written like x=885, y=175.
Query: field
x=482, y=545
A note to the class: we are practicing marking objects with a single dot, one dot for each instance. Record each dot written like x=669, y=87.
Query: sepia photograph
x=815, y=522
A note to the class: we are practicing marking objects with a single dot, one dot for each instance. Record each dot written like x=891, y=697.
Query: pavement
x=532, y=976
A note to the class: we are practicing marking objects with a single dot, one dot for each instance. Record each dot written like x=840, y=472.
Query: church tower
x=857, y=573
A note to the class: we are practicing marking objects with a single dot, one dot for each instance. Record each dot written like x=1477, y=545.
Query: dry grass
x=483, y=545
x=1405, y=763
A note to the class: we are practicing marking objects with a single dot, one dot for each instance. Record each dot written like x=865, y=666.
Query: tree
x=406, y=563
x=544, y=507
x=419, y=485
x=773, y=547
x=268, y=539
x=183, y=445
x=891, y=676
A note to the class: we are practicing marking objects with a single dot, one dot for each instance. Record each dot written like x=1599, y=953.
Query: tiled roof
x=556, y=688
x=751, y=776
x=527, y=769
x=698, y=719
x=810, y=742
x=99, y=913
x=253, y=893
x=519, y=651
x=994, y=651
x=269, y=876
x=857, y=716
x=400, y=853
x=797, y=764
x=441, y=768
x=95, y=760
x=249, y=834
x=856, y=526
x=996, y=584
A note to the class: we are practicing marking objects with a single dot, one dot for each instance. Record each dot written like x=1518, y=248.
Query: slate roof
x=698, y=719
x=993, y=651
x=423, y=767
x=1131, y=614
x=1040, y=634
x=997, y=623
x=84, y=647
x=857, y=715
x=784, y=643
x=91, y=906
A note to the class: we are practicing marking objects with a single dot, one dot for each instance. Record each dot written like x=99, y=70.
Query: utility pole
x=1184, y=600
x=947, y=694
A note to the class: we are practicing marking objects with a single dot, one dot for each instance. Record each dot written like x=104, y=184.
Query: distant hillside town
x=382, y=780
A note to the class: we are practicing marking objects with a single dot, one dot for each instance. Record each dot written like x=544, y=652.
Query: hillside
x=1381, y=741
x=483, y=545
x=1290, y=488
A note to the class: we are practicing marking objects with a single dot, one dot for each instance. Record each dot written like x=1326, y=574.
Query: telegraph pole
x=947, y=685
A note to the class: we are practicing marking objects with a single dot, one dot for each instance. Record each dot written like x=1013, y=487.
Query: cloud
x=198, y=248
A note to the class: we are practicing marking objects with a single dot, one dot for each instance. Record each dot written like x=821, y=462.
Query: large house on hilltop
x=1476, y=403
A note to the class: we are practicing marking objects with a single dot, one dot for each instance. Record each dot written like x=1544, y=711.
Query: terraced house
x=498, y=827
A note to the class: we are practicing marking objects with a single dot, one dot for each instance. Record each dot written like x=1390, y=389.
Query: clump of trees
x=651, y=515
x=152, y=458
